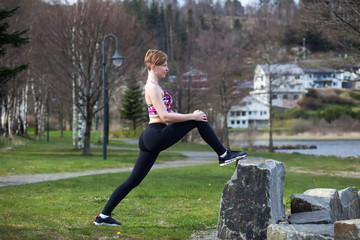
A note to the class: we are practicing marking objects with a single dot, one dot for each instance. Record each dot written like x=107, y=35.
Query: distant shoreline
x=307, y=136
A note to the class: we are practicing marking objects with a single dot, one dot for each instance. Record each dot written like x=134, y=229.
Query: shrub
x=347, y=123
x=300, y=126
x=332, y=113
x=294, y=113
x=310, y=103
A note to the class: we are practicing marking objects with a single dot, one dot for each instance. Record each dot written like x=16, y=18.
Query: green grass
x=169, y=204
x=29, y=156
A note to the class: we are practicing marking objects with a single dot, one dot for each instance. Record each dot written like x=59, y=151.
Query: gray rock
x=331, y=196
x=307, y=203
x=315, y=217
x=347, y=229
x=252, y=200
x=300, y=232
x=349, y=200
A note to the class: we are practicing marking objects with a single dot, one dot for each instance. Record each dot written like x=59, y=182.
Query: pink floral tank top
x=167, y=100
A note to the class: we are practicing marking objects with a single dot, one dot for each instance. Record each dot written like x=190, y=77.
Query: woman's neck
x=152, y=77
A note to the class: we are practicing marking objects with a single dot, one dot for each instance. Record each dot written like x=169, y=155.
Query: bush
x=294, y=113
x=332, y=113
x=347, y=123
x=300, y=126
x=310, y=103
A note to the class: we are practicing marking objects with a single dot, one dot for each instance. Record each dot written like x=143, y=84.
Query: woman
x=165, y=129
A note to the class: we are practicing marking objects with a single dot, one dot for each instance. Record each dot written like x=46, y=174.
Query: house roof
x=194, y=72
x=318, y=70
x=283, y=69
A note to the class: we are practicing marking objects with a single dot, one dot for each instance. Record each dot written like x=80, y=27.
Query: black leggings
x=156, y=138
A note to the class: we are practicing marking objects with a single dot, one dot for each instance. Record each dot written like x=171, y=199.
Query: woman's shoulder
x=152, y=87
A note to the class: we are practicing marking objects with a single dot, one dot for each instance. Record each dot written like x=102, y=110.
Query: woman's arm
x=154, y=93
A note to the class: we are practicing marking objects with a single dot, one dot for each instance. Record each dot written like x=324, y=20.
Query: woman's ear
x=153, y=67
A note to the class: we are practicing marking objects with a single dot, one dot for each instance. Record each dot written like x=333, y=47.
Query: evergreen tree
x=14, y=39
x=132, y=105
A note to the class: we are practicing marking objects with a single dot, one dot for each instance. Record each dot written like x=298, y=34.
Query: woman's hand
x=200, y=116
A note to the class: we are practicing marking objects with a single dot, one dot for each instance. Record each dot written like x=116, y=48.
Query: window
x=334, y=83
x=255, y=112
x=261, y=113
x=274, y=96
x=238, y=122
x=265, y=112
x=297, y=77
x=237, y=113
x=249, y=113
x=292, y=86
x=232, y=122
x=243, y=113
x=244, y=122
x=232, y=114
x=296, y=96
x=285, y=96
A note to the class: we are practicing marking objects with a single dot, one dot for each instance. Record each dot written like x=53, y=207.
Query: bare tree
x=76, y=33
x=338, y=20
x=221, y=57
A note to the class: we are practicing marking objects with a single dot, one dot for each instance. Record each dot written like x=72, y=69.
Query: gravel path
x=194, y=158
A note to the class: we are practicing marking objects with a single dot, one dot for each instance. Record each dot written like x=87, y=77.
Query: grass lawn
x=169, y=204
x=29, y=156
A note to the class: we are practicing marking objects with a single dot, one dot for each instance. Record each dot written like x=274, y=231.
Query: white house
x=287, y=84
x=320, y=77
x=248, y=112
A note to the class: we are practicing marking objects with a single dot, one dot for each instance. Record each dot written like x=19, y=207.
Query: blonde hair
x=155, y=57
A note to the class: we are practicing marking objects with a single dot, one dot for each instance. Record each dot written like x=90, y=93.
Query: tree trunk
x=271, y=148
x=74, y=116
x=36, y=108
x=87, y=136
x=26, y=110
x=61, y=119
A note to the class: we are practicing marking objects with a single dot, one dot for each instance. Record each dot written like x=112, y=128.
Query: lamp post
x=117, y=61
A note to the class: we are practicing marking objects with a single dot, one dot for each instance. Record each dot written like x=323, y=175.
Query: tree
x=11, y=93
x=337, y=20
x=76, y=36
x=132, y=105
x=15, y=39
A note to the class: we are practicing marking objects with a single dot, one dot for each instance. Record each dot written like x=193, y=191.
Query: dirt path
x=194, y=158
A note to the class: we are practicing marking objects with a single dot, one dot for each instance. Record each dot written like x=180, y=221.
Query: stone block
x=300, y=232
x=315, y=217
x=307, y=203
x=331, y=196
x=252, y=200
x=349, y=200
x=347, y=230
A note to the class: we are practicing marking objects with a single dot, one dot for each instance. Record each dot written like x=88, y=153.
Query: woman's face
x=161, y=70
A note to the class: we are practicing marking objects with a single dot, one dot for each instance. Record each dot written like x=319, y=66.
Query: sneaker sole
x=227, y=162
x=106, y=224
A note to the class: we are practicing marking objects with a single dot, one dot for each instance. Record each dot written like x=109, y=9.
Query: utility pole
x=304, y=49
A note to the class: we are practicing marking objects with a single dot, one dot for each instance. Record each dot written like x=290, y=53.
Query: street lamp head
x=117, y=58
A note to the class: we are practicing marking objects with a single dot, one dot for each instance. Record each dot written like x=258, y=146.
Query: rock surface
x=252, y=200
x=300, y=232
x=349, y=200
x=315, y=217
x=347, y=230
x=331, y=196
x=307, y=203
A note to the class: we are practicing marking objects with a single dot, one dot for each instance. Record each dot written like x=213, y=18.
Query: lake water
x=341, y=148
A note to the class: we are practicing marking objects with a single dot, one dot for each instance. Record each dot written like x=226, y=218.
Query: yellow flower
x=118, y=233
